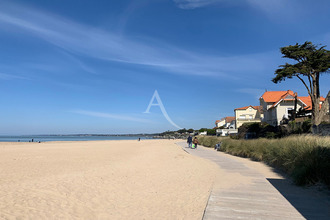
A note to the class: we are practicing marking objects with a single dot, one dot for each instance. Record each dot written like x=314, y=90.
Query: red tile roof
x=246, y=107
x=275, y=96
x=308, y=101
x=229, y=119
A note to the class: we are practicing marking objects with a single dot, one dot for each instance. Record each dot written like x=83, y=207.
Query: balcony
x=249, y=119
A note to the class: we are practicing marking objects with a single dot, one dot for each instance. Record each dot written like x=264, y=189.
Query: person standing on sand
x=195, y=142
x=189, y=141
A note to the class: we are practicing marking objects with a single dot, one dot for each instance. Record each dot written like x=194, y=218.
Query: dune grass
x=305, y=158
x=210, y=141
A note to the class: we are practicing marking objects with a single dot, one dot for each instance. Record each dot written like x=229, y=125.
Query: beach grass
x=306, y=158
x=210, y=141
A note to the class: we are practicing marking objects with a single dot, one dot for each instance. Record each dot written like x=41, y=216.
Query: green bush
x=306, y=126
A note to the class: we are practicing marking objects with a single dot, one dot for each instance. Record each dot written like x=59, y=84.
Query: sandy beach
x=150, y=179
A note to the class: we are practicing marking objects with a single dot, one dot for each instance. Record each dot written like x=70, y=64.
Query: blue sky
x=93, y=66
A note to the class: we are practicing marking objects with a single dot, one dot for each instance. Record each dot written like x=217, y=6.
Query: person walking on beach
x=189, y=141
x=195, y=142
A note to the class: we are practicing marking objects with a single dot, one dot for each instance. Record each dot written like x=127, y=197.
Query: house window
x=242, y=117
x=287, y=112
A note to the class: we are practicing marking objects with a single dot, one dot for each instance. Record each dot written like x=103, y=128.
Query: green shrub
x=306, y=126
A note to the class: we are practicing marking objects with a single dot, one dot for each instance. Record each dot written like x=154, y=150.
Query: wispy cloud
x=269, y=7
x=93, y=42
x=109, y=116
x=191, y=4
x=5, y=76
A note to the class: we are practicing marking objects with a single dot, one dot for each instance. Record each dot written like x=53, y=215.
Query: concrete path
x=258, y=197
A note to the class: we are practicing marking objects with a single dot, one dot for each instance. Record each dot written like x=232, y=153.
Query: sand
x=150, y=179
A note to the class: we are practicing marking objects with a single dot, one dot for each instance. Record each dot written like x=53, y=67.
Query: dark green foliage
x=306, y=126
x=264, y=130
x=182, y=131
x=295, y=127
x=270, y=134
x=259, y=130
x=300, y=127
x=311, y=61
x=190, y=130
x=211, y=131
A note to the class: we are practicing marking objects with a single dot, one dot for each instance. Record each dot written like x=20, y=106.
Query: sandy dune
x=153, y=179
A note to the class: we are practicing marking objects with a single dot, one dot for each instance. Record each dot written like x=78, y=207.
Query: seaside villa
x=226, y=126
x=276, y=105
x=247, y=114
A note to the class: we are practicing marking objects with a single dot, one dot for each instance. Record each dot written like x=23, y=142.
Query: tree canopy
x=311, y=61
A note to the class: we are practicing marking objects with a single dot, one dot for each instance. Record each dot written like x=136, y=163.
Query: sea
x=45, y=138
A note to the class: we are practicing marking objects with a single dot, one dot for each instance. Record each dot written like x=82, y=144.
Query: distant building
x=220, y=123
x=226, y=126
x=227, y=122
x=226, y=132
x=247, y=114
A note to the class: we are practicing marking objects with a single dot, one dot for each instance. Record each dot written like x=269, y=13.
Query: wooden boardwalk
x=258, y=197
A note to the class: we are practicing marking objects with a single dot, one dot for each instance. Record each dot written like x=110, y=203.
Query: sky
x=78, y=66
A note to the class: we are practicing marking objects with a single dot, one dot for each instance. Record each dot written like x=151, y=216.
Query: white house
x=227, y=122
x=277, y=104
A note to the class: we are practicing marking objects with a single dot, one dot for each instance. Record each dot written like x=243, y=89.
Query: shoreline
x=36, y=140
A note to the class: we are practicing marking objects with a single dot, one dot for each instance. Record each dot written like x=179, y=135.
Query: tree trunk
x=295, y=107
x=316, y=117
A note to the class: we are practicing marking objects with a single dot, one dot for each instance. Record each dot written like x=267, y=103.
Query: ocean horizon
x=46, y=138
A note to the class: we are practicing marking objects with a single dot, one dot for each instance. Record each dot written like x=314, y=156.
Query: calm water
x=44, y=138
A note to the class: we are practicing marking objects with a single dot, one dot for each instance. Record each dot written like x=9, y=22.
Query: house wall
x=270, y=116
x=247, y=115
x=231, y=125
x=275, y=115
x=221, y=123
x=282, y=109
x=267, y=115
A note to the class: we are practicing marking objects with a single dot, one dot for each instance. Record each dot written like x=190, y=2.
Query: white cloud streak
x=109, y=116
x=267, y=6
x=5, y=76
x=191, y=4
x=97, y=43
